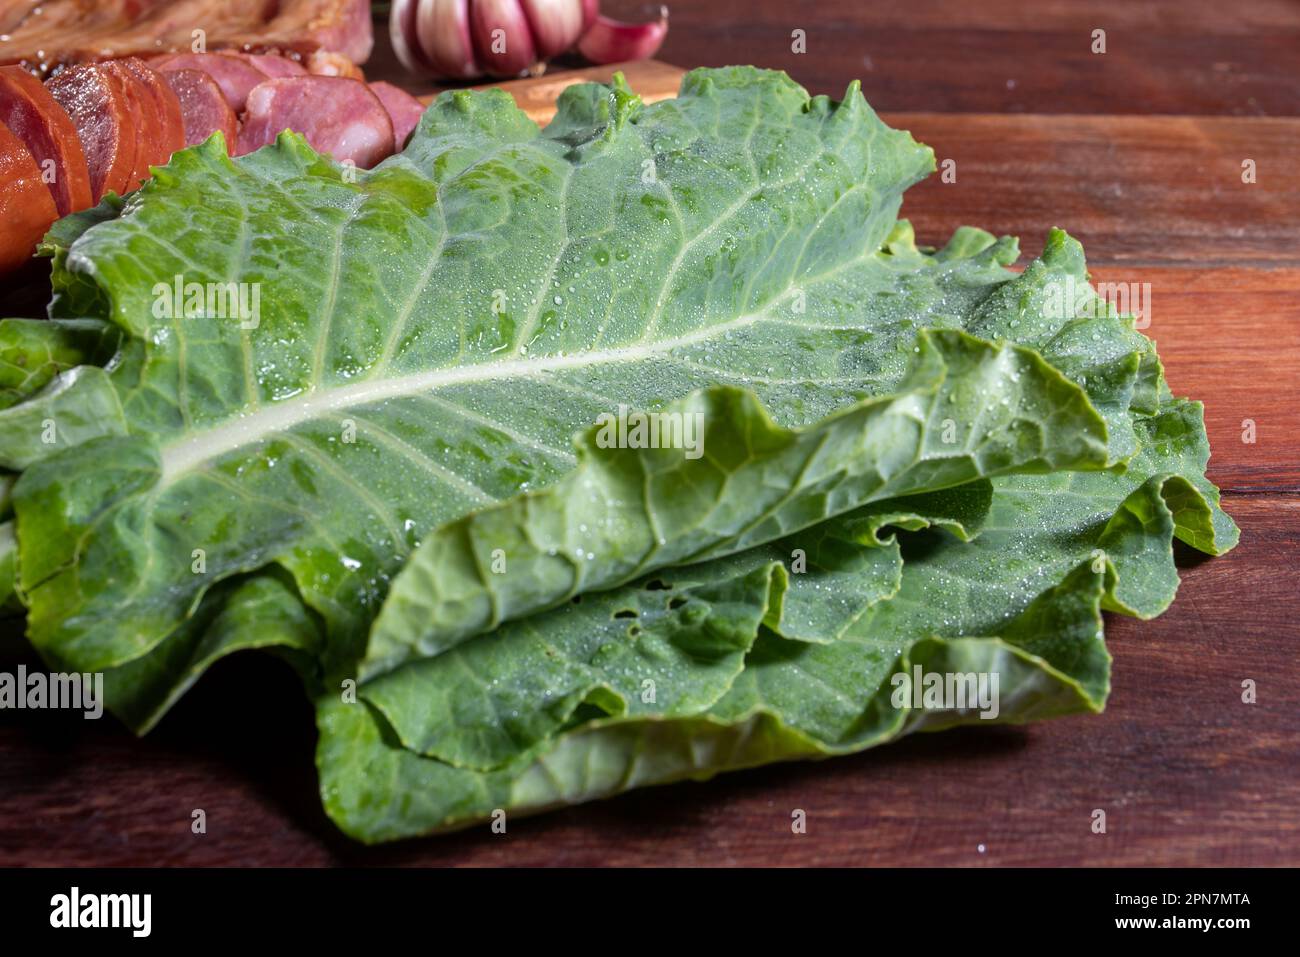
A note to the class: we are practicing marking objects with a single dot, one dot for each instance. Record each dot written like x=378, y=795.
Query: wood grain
x=1011, y=56
x=1134, y=190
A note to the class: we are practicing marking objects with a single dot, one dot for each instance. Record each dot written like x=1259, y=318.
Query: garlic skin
x=613, y=41
x=442, y=30
x=503, y=38
x=556, y=24
x=469, y=39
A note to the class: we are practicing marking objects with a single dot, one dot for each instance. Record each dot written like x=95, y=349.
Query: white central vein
x=196, y=448
x=255, y=426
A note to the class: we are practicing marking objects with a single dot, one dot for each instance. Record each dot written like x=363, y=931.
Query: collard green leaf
x=313, y=409
x=624, y=511
x=669, y=645
x=34, y=351
x=820, y=701
x=430, y=336
x=72, y=408
x=262, y=611
x=658, y=651
x=53, y=393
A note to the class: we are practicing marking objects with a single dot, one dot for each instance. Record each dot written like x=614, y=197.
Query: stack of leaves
x=391, y=469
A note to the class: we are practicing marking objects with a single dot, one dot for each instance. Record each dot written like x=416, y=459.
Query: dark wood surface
x=1186, y=772
x=1203, y=57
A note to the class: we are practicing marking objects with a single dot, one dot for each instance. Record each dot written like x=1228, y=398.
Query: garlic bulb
x=467, y=39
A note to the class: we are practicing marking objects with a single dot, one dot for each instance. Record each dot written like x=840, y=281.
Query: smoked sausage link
x=97, y=103
x=171, y=125
x=144, y=126
x=203, y=108
x=45, y=128
x=26, y=204
x=336, y=115
x=403, y=109
x=235, y=76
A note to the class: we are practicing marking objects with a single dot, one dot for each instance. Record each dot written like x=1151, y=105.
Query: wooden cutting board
x=536, y=95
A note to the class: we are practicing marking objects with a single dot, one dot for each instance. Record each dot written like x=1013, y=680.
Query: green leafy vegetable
x=366, y=420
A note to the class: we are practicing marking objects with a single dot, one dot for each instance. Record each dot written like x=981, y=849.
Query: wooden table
x=1138, y=153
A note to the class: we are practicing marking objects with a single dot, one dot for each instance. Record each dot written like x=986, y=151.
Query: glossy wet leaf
x=331, y=414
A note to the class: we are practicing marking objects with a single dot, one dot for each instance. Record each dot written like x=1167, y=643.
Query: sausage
x=336, y=115
x=270, y=64
x=203, y=108
x=403, y=109
x=26, y=204
x=144, y=122
x=45, y=128
x=96, y=102
x=171, y=124
x=235, y=76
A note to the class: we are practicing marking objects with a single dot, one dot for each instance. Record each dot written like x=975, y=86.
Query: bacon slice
x=97, y=103
x=204, y=109
x=336, y=115
x=26, y=206
x=45, y=128
x=403, y=109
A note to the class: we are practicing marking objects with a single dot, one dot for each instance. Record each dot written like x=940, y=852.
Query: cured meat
x=336, y=115
x=52, y=33
x=339, y=26
x=171, y=124
x=203, y=107
x=26, y=206
x=270, y=64
x=143, y=124
x=403, y=109
x=165, y=102
x=36, y=118
x=235, y=76
x=96, y=101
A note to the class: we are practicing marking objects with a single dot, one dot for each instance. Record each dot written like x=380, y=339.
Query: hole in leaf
x=657, y=584
x=625, y=613
x=675, y=603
